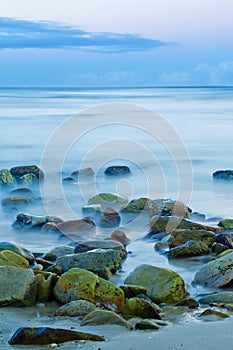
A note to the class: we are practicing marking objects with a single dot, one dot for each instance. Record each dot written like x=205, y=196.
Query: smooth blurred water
x=203, y=117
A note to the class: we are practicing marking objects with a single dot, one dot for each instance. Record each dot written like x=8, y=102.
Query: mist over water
x=202, y=117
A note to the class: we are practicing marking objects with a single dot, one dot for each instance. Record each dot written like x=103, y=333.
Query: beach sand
x=193, y=335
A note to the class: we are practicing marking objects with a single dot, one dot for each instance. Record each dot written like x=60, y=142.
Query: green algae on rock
x=179, y=237
x=9, y=258
x=141, y=308
x=188, y=249
x=18, y=250
x=105, y=199
x=163, y=285
x=5, y=177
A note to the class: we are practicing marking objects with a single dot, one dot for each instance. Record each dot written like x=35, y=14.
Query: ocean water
x=172, y=139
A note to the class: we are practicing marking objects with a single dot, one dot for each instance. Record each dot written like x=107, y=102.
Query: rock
x=6, y=178
x=68, y=179
x=93, y=209
x=101, y=244
x=136, y=205
x=163, y=285
x=169, y=223
x=140, y=307
x=191, y=303
x=92, y=260
x=83, y=172
x=46, y=335
x=18, y=250
x=17, y=286
x=117, y=170
x=188, y=249
x=223, y=175
x=27, y=221
x=19, y=171
x=28, y=179
x=57, y=252
x=119, y=236
x=225, y=297
x=82, y=284
x=197, y=216
x=227, y=251
x=226, y=224
x=217, y=273
x=15, y=202
x=106, y=199
x=104, y=273
x=146, y=324
x=104, y=317
x=74, y=228
x=225, y=238
x=23, y=191
x=131, y=290
x=75, y=308
x=214, y=315
x=179, y=237
x=110, y=218
x=9, y=258
x=169, y=207
x=49, y=227
x=45, y=286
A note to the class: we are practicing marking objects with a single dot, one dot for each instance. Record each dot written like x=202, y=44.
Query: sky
x=116, y=42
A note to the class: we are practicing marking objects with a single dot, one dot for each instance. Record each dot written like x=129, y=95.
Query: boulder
x=217, y=273
x=82, y=284
x=19, y=171
x=169, y=223
x=46, y=336
x=83, y=172
x=28, y=221
x=75, y=308
x=109, y=218
x=18, y=250
x=73, y=228
x=223, y=175
x=106, y=199
x=188, y=249
x=226, y=224
x=179, y=237
x=6, y=178
x=94, y=209
x=225, y=297
x=17, y=286
x=101, y=244
x=119, y=236
x=169, y=207
x=104, y=317
x=117, y=170
x=136, y=205
x=213, y=315
x=163, y=285
x=15, y=202
x=224, y=238
x=9, y=258
x=191, y=303
x=141, y=308
x=132, y=291
x=92, y=260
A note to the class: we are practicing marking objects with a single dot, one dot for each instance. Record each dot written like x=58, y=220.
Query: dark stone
x=19, y=171
x=110, y=218
x=190, y=302
x=188, y=249
x=223, y=175
x=224, y=238
x=46, y=335
x=117, y=170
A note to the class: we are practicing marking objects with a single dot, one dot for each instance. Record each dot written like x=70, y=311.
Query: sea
x=171, y=138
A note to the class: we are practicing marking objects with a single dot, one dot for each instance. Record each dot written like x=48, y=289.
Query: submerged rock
x=163, y=285
x=188, y=249
x=225, y=297
x=92, y=260
x=223, y=175
x=117, y=170
x=169, y=223
x=179, y=237
x=101, y=244
x=16, y=202
x=17, y=286
x=91, y=209
x=169, y=207
x=104, y=317
x=217, y=273
x=82, y=284
x=109, y=218
x=105, y=199
x=5, y=177
x=73, y=228
x=28, y=179
x=83, y=172
x=136, y=205
x=213, y=315
x=46, y=335
x=119, y=236
x=75, y=308
x=19, y=171
x=28, y=221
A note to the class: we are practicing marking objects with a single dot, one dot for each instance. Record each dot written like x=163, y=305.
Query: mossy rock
x=5, y=177
x=9, y=258
x=104, y=199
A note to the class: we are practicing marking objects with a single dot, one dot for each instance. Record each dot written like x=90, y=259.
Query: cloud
x=21, y=34
x=202, y=74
